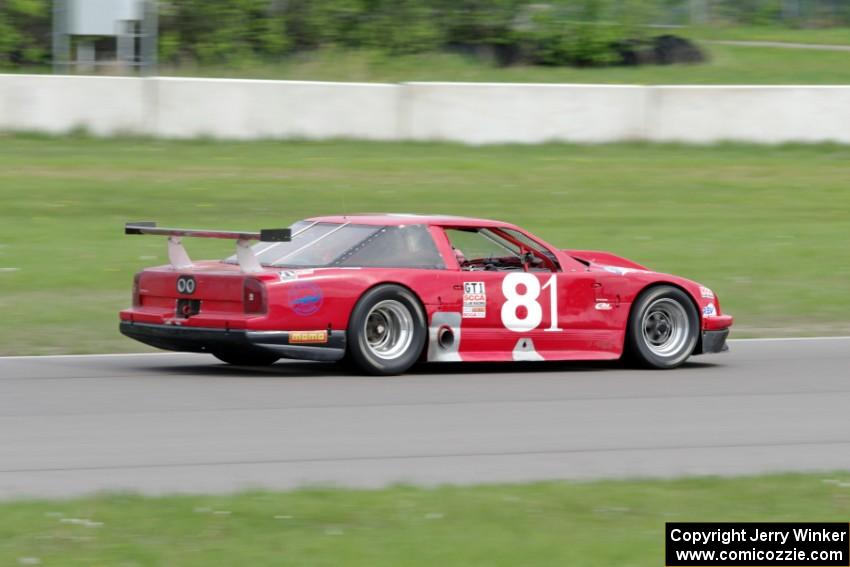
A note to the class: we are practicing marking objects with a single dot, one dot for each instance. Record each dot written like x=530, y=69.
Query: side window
x=395, y=247
x=481, y=249
x=498, y=249
x=475, y=244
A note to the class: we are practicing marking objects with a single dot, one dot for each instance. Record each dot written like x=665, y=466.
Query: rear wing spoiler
x=179, y=258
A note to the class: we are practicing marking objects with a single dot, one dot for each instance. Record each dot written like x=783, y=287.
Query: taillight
x=137, y=296
x=254, y=296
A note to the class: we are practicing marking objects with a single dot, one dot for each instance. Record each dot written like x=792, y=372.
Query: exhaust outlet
x=445, y=337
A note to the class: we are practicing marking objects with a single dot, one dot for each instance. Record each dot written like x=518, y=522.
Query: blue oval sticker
x=305, y=298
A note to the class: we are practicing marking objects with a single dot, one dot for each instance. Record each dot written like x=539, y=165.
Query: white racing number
x=528, y=299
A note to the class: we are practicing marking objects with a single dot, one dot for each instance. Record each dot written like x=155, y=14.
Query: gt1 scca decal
x=709, y=310
x=307, y=337
x=474, y=300
x=186, y=285
x=522, y=289
x=305, y=298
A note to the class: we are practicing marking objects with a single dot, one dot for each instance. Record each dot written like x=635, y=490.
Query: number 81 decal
x=533, y=311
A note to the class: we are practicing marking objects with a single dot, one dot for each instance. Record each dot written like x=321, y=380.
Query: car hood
x=602, y=258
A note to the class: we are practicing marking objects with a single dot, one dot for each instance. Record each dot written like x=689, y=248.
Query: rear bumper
x=199, y=339
x=713, y=341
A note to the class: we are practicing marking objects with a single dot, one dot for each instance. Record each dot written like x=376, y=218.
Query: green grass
x=766, y=227
x=557, y=523
x=824, y=36
x=727, y=65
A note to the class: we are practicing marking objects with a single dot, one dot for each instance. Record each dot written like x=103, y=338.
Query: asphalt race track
x=186, y=423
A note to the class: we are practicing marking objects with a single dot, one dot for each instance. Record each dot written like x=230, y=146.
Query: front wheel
x=246, y=357
x=663, y=328
x=387, y=331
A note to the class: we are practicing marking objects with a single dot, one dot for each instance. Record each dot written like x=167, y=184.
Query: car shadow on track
x=303, y=369
x=537, y=367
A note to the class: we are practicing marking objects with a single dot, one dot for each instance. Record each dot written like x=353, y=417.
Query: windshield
x=319, y=244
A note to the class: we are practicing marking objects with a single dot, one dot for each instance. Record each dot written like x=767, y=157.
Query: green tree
x=24, y=31
x=215, y=31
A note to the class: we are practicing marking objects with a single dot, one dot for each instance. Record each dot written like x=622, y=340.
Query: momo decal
x=305, y=298
x=603, y=306
x=705, y=292
x=474, y=300
x=308, y=337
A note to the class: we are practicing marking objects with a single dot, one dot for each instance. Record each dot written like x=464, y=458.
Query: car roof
x=397, y=219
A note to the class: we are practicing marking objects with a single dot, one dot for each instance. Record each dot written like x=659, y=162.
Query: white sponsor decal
x=474, y=300
x=709, y=310
x=602, y=306
x=288, y=275
x=619, y=271
x=524, y=350
x=705, y=292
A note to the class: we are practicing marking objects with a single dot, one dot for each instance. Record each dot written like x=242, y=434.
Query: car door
x=517, y=301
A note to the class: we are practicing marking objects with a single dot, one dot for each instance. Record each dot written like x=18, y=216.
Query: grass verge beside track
x=726, y=64
x=766, y=227
x=817, y=36
x=556, y=523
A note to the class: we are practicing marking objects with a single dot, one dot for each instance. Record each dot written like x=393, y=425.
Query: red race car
x=385, y=291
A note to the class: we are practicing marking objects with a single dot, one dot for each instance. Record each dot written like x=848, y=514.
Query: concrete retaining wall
x=767, y=115
x=238, y=109
x=474, y=113
x=51, y=104
x=495, y=113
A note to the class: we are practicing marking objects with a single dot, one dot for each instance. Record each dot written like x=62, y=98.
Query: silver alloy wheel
x=665, y=327
x=388, y=329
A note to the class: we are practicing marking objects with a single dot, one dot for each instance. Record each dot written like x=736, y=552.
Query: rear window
x=315, y=244
x=395, y=247
x=303, y=233
x=324, y=249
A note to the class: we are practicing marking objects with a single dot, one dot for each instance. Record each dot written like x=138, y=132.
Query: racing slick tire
x=387, y=331
x=246, y=357
x=663, y=328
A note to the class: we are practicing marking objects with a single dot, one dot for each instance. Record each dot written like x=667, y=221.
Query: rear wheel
x=387, y=331
x=663, y=328
x=246, y=357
